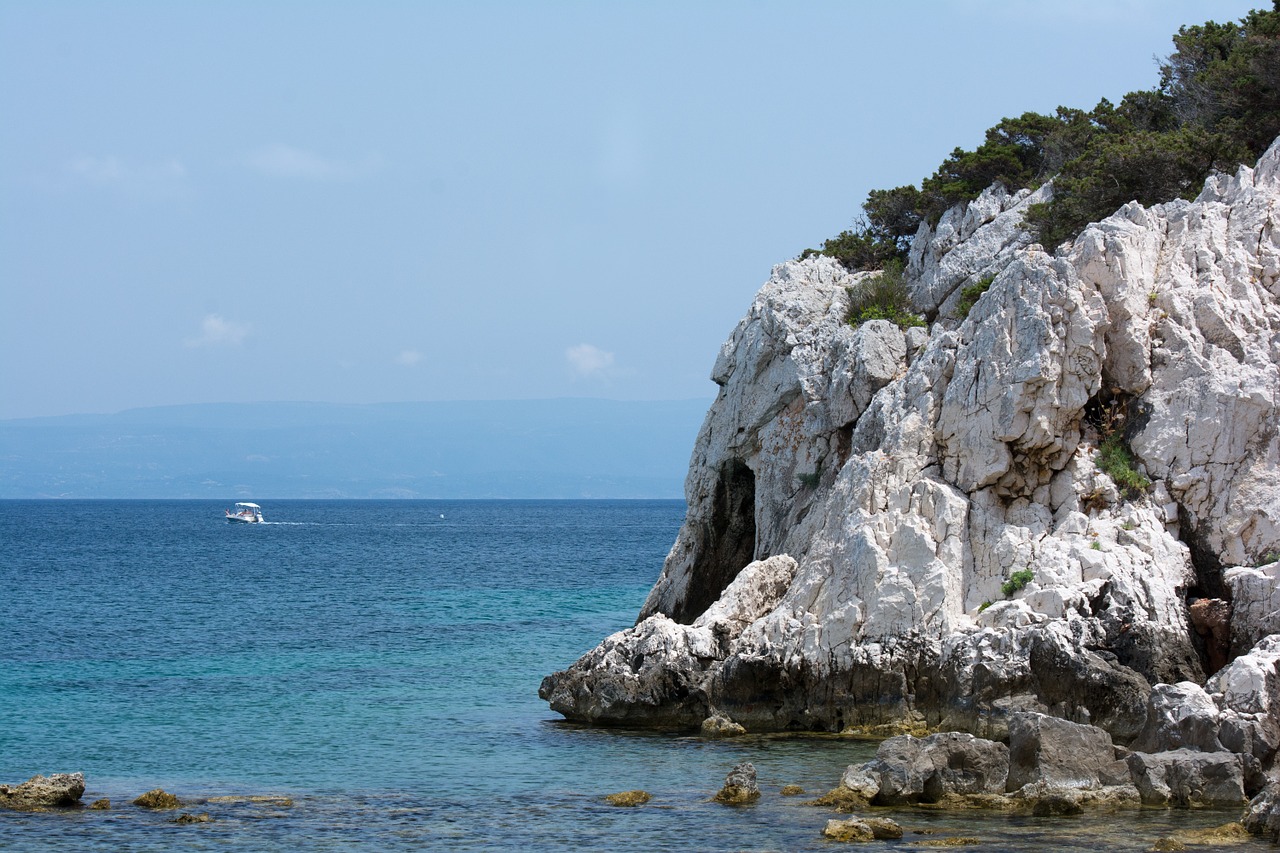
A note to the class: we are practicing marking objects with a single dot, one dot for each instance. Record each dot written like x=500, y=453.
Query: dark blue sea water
x=376, y=663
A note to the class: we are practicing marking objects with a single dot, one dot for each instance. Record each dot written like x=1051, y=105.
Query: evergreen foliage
x=1217, y=105
x=971, y=294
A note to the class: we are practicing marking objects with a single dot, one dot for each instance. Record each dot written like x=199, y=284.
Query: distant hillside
x=568, y=448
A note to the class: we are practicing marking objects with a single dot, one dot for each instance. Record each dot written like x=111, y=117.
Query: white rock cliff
x=859, y=500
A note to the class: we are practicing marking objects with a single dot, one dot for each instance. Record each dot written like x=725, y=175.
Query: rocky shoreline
x=918, y=528
x=63, y=792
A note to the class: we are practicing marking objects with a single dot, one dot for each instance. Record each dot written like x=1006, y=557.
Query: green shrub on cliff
x=1017, y=581
x=1217, y=105
x=856, y=248
x=971, y=294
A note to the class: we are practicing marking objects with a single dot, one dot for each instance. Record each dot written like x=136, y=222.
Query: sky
x=415, y=201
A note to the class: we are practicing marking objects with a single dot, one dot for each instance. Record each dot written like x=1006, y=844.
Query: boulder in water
x=740, y=787
x=42, y=792
x=157, y=798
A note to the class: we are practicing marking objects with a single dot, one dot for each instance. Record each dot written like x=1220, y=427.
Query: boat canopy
x=251, y=506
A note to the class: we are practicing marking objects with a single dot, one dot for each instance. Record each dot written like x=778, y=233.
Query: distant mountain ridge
x=560, y=448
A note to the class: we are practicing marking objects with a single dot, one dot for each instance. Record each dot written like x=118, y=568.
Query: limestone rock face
x=1188, y=779
x=1059, y=754
x=954, y=554
x=968, y=243
x=655, y=671
x=1262, y=815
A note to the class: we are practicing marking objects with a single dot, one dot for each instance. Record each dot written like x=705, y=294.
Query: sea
x=363, y=676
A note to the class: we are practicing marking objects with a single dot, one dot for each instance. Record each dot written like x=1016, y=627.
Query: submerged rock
x=1227, y=833
x=58, y=790
x=256, y=799
x=628, y=798
x=949, y=841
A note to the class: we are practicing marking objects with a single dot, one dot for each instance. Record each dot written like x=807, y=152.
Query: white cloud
x=156, y=178
x=285, y=161
x=96, y=170
x=409, y=357
x=216, y=331
x=589, y=361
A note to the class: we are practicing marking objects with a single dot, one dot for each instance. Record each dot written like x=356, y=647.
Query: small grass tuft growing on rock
x=883, y=297
x=1117, y=462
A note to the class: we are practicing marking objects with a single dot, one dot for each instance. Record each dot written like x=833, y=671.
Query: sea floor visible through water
x=364, y=676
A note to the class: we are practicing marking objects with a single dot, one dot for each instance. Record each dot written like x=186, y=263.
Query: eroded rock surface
x=740, y=786
x=42, y=792
x=889, y=527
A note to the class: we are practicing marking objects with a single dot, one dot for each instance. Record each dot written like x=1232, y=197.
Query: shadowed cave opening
x=728, y=540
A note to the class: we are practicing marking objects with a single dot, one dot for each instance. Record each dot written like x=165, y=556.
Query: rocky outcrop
x=1188, y=778
x=1052, y=753
x=924, y=770
x=655, y=672
x=1262, y=815
x=740, y=786
x=57, y=790
x=1050, y=767
x=862, y=829
x=911, y=527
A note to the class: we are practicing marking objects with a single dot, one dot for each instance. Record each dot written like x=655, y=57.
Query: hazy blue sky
x=378, y=201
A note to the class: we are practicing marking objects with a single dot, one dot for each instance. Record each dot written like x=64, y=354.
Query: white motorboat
x=246, y=513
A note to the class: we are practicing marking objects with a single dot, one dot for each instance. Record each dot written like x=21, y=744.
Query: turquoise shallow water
x=377, y=663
